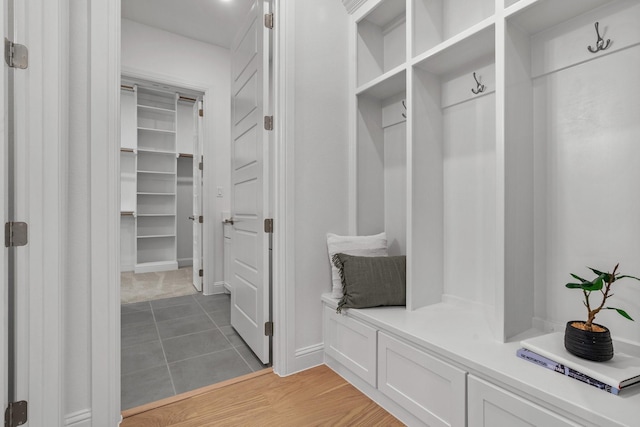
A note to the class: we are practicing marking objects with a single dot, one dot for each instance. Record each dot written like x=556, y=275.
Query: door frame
x=104, y=75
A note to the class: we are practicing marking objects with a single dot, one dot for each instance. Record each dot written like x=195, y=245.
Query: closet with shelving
x=515, y=165
x=156, y=139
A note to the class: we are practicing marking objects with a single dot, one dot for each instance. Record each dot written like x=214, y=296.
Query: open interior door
x=249, y=202
x=197, y=195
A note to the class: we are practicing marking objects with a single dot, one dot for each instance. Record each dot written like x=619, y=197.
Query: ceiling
x=210, y=21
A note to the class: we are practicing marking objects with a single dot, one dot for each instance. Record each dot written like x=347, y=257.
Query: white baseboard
x=216, y=288
x=308, y=357
x=126, y=267
x=78, y=419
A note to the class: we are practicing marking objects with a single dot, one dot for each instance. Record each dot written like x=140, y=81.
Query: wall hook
x=600, y=44
x=405, y=108
x=479, y=88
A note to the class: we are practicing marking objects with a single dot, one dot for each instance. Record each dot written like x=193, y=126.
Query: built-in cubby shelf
x=381, y=43
x=457, y=154
x=498, y=149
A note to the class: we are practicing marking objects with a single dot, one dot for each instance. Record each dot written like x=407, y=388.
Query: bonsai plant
x=587, y=339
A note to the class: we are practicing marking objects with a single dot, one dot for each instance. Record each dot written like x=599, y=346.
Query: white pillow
x=375, y=245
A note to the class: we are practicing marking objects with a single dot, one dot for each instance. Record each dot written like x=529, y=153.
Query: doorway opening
x=177, y=331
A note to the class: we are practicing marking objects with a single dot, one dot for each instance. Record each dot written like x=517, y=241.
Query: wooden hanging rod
x=126, y=213
x=126, y=87
x=190, y=156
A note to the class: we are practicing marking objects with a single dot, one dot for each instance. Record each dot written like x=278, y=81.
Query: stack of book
x=614, y=375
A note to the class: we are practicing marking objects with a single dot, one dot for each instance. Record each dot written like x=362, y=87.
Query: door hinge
x=15, y=234
x=200, y=219
x=268, y=225
x=16, y=414
x=200, y=273
x=201, y=112
x=201, y=164
x=268, y=329
x=16, y=55
x=268, y=20
x=268, y=122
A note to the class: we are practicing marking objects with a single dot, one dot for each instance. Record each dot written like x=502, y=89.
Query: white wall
x=321, y=160
x=168, y=57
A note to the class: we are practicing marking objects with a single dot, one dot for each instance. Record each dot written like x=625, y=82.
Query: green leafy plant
x=602, y=283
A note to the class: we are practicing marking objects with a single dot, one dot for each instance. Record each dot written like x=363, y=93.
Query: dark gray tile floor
x=174, y=345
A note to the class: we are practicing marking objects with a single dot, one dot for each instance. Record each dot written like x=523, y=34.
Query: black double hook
x=479, y=88
x=600, y=44
x=404, y=104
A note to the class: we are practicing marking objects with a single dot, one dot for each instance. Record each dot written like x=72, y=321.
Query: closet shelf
x=157, y=236
x=143, y=129
x=156, y=215
x=149, y=150
x=476, y=43
x=156, y=109
x=388, y=84
x=156, y=172
x=534, y=16
x=140, y=193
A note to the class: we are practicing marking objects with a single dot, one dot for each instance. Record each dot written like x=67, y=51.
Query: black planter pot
x=596, y=346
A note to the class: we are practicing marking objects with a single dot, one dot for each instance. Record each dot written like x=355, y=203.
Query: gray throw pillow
x=371, y=281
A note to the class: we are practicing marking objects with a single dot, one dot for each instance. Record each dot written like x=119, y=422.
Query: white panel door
x=197, y=195
x=249, y=182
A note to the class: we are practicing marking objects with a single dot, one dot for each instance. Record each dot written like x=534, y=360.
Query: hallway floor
x=174, y=345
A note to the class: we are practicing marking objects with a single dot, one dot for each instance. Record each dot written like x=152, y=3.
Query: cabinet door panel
x=429, y=388
x=491, y=406
x=351, y=343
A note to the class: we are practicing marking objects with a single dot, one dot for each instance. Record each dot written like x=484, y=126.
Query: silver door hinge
x=16, y=55
x=15, y=234
x=16, y=414
x=268, y=329
x=268, y=225
x=268, y=122
x=200, y=273
x=268, y=20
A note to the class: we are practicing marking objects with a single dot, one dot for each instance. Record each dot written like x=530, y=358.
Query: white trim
x=284, y=360
x=308, y=357
x=353, y=5
x=78, y=419
x=216, y=288
x=104, y=86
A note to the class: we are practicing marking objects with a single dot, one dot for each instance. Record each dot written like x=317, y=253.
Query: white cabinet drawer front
x=491, y=406
x=351, y=343
x=429, y=388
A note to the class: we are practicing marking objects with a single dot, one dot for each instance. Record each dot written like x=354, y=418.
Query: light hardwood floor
x=316, y=397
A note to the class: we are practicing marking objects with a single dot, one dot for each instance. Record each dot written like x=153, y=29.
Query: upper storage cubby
x=381, y=44
x=436, y=21
x=381, y=161
x=453, y=199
